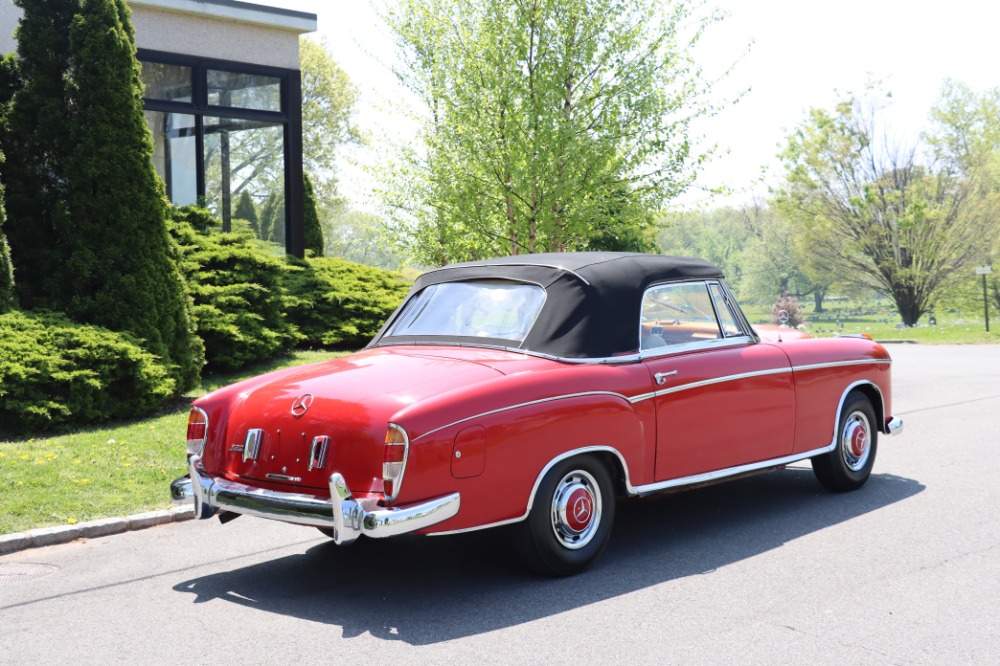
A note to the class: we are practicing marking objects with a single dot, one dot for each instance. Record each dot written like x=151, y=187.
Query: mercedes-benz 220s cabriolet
x=531, y=392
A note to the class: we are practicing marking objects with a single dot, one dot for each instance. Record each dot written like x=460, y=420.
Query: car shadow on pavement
x=425, y=590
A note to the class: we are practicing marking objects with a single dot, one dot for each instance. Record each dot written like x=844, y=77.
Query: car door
x=722, y=398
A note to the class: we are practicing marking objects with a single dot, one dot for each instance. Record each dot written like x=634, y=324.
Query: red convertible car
x=533, y=391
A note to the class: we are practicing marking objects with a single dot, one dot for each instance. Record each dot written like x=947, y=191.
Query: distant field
x=881, y=322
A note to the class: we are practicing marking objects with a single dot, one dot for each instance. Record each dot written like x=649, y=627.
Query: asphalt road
x=769, y=570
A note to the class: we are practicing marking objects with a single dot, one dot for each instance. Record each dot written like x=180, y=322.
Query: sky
x=800, y=53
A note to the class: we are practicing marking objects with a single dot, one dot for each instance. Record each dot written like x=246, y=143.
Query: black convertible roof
x=593, y=299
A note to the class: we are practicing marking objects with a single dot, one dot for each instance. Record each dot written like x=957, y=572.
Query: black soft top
x=593, y=299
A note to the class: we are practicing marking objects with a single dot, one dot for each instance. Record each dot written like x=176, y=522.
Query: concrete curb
x=50, y=536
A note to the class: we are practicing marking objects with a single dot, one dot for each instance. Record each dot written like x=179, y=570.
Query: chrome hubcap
x=576, y=509
x=855, y=441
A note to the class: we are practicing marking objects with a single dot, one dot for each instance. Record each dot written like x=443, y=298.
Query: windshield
x=498, y=309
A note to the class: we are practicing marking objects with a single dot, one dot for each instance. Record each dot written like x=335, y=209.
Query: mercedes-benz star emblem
x=301, y=405
x=581, y=510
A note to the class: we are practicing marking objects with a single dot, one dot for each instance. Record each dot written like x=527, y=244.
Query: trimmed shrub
x=339, y=304
x=237, y=289
x=55, y=372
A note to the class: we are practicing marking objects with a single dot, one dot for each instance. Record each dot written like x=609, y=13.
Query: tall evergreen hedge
x=86, y=210
x=36, y=140
x=122, y=270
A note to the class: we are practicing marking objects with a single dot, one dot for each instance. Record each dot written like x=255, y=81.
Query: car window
x=674, y=314
x=730, y=328
x=499, y=309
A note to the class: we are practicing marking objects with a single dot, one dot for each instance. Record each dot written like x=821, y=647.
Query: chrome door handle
x=661, y=377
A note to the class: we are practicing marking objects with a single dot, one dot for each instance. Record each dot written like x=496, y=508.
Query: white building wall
x=202, y=29
x=212, y=37
x=9, y=16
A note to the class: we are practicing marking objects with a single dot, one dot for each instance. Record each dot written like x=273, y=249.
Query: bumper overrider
x=348, y=517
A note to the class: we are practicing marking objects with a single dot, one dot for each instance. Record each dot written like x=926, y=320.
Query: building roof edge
x=235, y=10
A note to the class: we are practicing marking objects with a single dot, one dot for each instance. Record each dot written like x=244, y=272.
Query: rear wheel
x=849, y=464
x=570, y=519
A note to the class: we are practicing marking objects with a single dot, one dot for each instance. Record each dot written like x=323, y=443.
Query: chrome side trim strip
x=757, y=373
x=518, y=406
x=837, y=364
x=651, y=488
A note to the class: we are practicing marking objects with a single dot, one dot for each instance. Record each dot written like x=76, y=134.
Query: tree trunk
x=818, y=296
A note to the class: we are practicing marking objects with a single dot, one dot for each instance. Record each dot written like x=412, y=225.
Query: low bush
x=237, y=290
x=338, y=304
x=786, y=308
x=55, y=372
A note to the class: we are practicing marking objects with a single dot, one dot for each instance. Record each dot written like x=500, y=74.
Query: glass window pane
x=496, y=309
x=169, y=82
x=174, y=154
x=726, y=317
x=676, y=314
x=244, y=91
x=245, y=176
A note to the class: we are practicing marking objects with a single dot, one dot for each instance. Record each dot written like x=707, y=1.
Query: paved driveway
x=769, y=570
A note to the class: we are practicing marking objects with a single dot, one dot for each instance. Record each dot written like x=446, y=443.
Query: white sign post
x=984, y=271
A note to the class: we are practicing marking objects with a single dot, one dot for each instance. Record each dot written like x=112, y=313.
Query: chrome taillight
x=397, y=446
x=197, y=432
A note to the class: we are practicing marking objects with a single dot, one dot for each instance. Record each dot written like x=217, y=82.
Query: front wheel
x=570, y=519
x=849, y=464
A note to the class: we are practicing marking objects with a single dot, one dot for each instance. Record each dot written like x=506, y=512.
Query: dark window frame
x=290, y=118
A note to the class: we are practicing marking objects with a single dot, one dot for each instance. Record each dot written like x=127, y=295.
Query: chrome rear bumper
x=348, y=517
x=894, y=426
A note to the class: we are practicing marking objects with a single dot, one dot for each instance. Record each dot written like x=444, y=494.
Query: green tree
x=121, y=271
x=361, y=238
x=542, y=116
x=36, y=140
x=875, y=211
x=329, y=103
x=313, y=230
x=272, y=219
x=966, y=133
x=246, y=210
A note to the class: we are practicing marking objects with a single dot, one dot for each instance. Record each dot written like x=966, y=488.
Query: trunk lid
x=348, y=400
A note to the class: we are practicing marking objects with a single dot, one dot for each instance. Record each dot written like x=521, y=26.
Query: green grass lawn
x=101, y=472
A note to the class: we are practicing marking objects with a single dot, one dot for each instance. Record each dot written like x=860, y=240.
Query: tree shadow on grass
x=427, y=590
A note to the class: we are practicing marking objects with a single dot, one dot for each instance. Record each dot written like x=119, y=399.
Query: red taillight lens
x=197, y=431
x=397, y=445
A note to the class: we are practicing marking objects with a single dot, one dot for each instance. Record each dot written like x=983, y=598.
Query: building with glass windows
x=223, y=102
